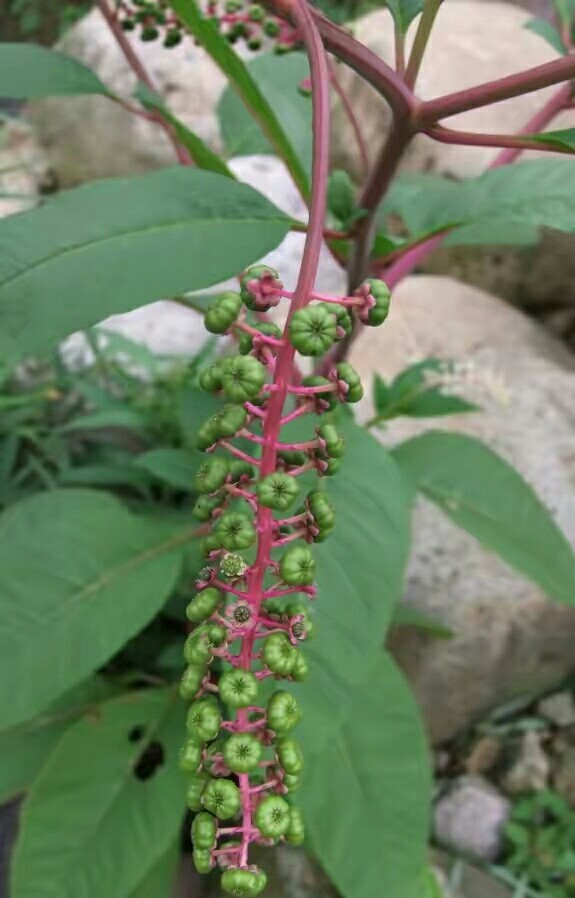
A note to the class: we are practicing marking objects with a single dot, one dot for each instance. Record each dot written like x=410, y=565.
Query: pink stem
x=559, y=101
x=243, y=456
x=510, y=141
x=302, y=410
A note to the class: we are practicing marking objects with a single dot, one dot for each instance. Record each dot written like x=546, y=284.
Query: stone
x=530, y=772
x=558, y=709
x=564, y=775
x=23, y=167
x=510, y=639
x=484, y=754
x=469, y=819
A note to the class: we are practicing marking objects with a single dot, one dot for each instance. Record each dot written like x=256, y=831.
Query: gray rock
x=530, y=772
x=469, y=819
x=558, y=709
x=510, y=639
x=564, y=775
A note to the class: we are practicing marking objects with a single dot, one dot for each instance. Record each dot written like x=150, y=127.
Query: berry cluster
x=236, y=19
x=251, y=610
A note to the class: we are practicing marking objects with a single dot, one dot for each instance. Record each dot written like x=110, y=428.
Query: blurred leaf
x=95, y=251
x=247, y=88
x=105, y=475
x=115, y=417
x=548, y=32
x=158, y=882
x=112, y=784
x=367, y=793
x=80, y=575
x=25, y=749
x=341, y=196
x=28, y=71
x=174, y=467
x=431, y=887
x=484, y=495
x=200, y=152
x=404, y=12
x=418, y=392
x=405, y=616
x=564, y=139
x=565, y=10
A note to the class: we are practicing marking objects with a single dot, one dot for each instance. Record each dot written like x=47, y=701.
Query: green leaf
x=404, y=616
x=105, y=475
x=341, y=196
x=80, y=575
x=115, y=245
x=174, y=467
x=404, y=12
x=200, y=152
x=418, y=392
x=278, y=78
x=486, y=496
x=366, y=795
x=564, y=139
x=244, y=84
x=158, y=882
x=25, y=749
x=122, y=417
x=28, y=71
x=565, y=10
x=360, y=577
x=548, y=32
x=112, y=785
x=430, y=885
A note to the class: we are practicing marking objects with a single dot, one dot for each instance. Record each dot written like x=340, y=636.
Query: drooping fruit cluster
x=251, y=612
x=237, y=20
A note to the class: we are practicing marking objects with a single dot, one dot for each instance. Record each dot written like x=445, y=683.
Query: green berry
x=191, y=755
x=297, y=566
x=254, y=274
x=233, y=566
x=349, y=376
x=242, y=752
x=207, y=435
x=278, y=654
x=292, y=782
x=323, y=401
x=244, y=883
x=256, y=12
x=301, y=669
x=331, y=467
x=235, y=531
x=191, y=680
x=211, y=475
x=197, y=647
x=379, y=312
x=289, y=755
x=196, y=786
x=312, y=331
x=204, y=604
x=217, y=633
x=209, y=544
x=271, y=28
x=277, y=491
x=299, y=609
x=222, y=798
x=204, y=720
x=210, y=379
x=283, y=712
x=243, y=377
x=222, y=313
x=239, y=469
x=295, y=834
x=322, y=513
x=203, y=860
x=272, y=816
x=231, y=419
x=334, y=442
x=268, y=328
x=205, y=505
x=238, y=688
x=204, y=829
x=293, y=457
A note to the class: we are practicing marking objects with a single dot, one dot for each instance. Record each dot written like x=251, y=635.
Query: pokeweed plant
x=111, y=247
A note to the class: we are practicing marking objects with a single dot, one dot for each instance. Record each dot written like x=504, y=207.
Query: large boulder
x=510, y=639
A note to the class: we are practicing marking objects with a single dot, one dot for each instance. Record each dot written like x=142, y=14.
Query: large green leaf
x=108, y=805
x=278, y=78
x=366, y=794
x=116, y=245
x=25, y=749
x=564, y=139
x=360, y=576
x=158, y=882
x=548, y=32
x=244, y=84
x=28, y=71
x=404, y=12
x=80, y=575
x=487, y=497
x=174, y=467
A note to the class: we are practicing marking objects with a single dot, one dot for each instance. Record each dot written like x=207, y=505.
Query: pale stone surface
x=470, y=817
x=509, y=638
x=530, y=772
x=559, y=709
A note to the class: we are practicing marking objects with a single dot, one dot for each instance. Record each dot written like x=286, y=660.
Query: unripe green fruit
x=289, y=755
x=331, y=467
x=204, y=720
x=242, y=378
x=283, y=712
x=299, y=609
x=197, y=647
x=242, y=752
x=272, y=816
x=207, y=435
x=244, y=883
x=315, y=380
x=279, y=654
x=231, y=419
x=191, y=755
x=293, y=457
x=379, y=312
x=277, y=491
x=217, y=633
x=222, y=313
x=334, y=442
x=204, y=828
x=295, y=834
x=246, y=343
x=202, y=860
x=312, y=330
x=222, y=798
x=196, y=786
x=210, y=379
x=292, y=782
x=233, y=566
x=255, y=273
x=297, y=566
x=191, y=680
x=239, y=469
x=209, y=544
x=204, y=604
x=205, y=505
x=238, y=688
x=235, y=531
x=211, y=475
x=272, y=607
x=349, y=376
x=301, y=669
x=342, y=318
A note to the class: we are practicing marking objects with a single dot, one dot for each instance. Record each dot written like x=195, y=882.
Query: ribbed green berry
x=292, y=782
x=210, y=379
x=204, y=604
x=277, y=491
x=322, y=513
x=312, y=331
x=300, y=669
x=246, y=343
x=255, y=273
x=235, y=531
x=191, y=755
x=289, y=755
x=256, y=12
x=191, y=680
x=204, y=720
x=349, y=376
x=204, y=828
x=238, y=688
x=329, y=398
x=242, y=378
x=271, y=28
x=297, y=566
x=342, y=318
x=331, y=467
x=217, y=633
x=304, y=627
x=209, y=544
x=242, y=752
x=279, y=654
x=244, y=883
x=283, y=712
x=379, y=312
x=197, y=647
x=232, y=566
x=239, y=469
x=293, y=457
x=222, y=313
x=212, y=474
x=207, y=435
x=203, y=860
x=222, y=798
x=272, y=816
x=295, y=834
x=196, y=785
x=334, y=442
x=229, y=420
x=205, y=505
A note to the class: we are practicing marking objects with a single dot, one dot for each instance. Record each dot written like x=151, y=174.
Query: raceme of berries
x=252, y=613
